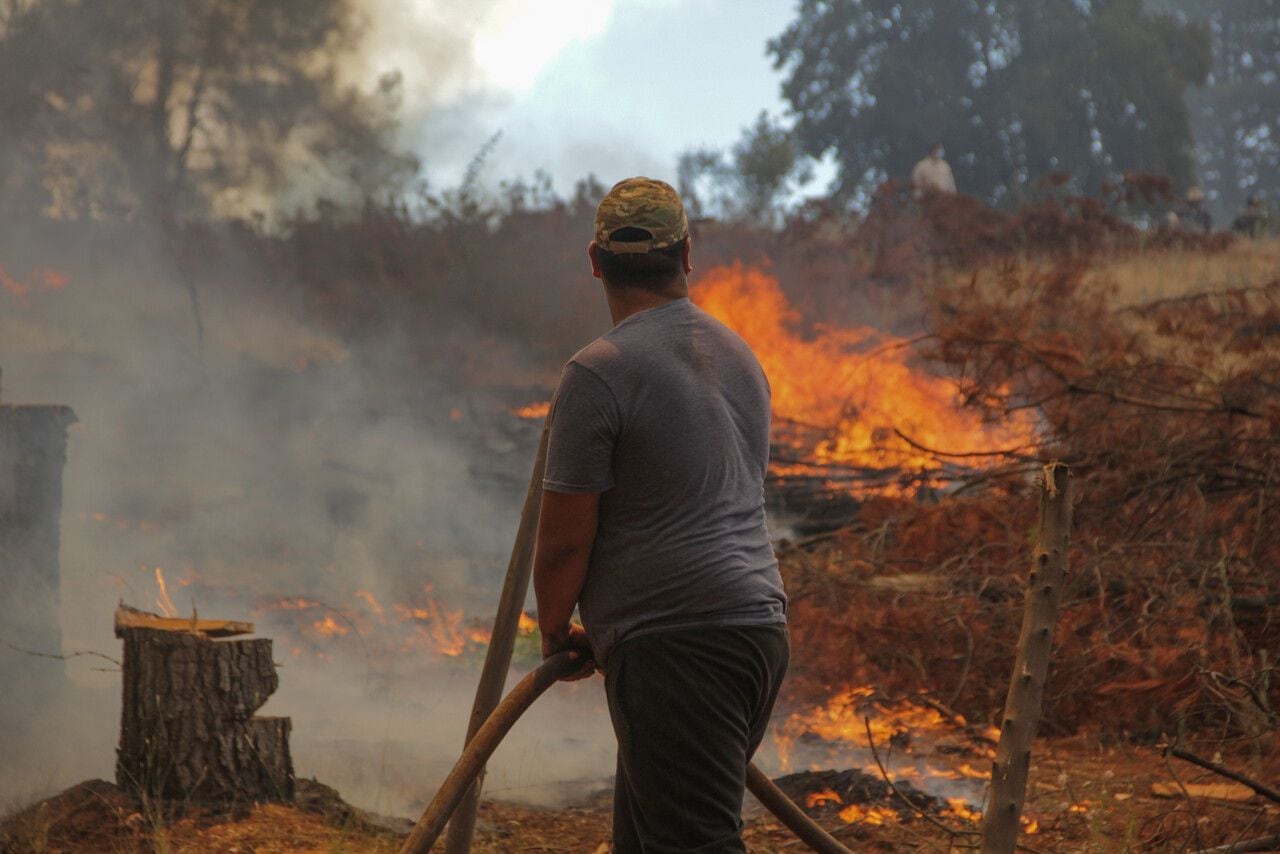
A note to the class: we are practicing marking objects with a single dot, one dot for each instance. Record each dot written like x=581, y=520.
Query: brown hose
x=479, y=749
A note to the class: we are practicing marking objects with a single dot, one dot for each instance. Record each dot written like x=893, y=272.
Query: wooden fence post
x=1001, y=819
x=502, y=641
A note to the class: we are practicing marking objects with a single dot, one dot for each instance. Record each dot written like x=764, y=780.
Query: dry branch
x=1261, y=843
x=1261, y=788
x=1001, y=819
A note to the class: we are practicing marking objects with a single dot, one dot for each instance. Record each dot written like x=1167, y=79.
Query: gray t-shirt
x=667, y=415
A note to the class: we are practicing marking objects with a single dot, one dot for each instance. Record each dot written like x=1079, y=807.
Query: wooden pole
x=1002, y=818
x=497, y=659
x=457, y=786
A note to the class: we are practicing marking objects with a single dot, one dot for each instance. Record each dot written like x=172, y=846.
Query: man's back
x=667, y=416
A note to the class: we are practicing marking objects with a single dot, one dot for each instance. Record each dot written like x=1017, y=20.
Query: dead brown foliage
x=1169, y=415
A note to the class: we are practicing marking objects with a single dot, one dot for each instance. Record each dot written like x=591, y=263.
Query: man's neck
x=624, y=302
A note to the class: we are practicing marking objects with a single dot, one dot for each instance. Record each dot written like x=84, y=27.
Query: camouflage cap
x=643, y=203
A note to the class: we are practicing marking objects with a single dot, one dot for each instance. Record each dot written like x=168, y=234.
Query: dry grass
x=1147, y=276
x=1086, y=797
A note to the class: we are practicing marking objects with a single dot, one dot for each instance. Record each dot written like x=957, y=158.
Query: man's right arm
x=566, y=532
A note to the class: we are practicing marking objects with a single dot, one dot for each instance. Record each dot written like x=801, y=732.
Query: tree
x=750, y=183
x=1236, y=114
x=1014, y=89
x=171, y=108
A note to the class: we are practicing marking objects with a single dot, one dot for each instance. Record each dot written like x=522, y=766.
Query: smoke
x=281, y=464
x=461, y=65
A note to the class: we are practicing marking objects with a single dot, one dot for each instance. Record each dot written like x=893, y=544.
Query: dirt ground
x=1084, y=798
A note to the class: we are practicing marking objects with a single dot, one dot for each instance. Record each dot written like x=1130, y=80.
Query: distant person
x=932, y=174
x=1194, y=216
x=1255, y=219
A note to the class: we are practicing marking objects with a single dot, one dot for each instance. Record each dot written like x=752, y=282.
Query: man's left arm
x=566, y=533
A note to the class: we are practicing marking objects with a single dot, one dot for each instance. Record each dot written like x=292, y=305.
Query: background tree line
x=165, y=109
x=1016, y=91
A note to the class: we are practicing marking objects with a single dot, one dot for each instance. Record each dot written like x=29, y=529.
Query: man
x=653, y=524
x=1253, y=221
x=1194, y=216
x=932, y=174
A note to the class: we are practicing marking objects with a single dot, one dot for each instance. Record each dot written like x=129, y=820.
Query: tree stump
x=187, y=730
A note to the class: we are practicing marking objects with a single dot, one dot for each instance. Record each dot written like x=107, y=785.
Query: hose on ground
x=531, y=687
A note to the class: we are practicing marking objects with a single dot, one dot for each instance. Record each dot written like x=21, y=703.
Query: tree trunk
x=1002, y=817
x=33, y=448
x=187, y=730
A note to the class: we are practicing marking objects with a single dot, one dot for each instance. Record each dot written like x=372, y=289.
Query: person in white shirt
x=932, y=174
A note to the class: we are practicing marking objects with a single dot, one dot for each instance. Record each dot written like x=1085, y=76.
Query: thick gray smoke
x=375, y=499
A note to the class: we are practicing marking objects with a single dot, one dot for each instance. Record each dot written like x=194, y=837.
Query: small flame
x=163, y=602
x=371, y=601
x=439, y=626
x=329, y=627
x=12, y=285
x=528, y=625
x=875, y=816
x=52, y=280
x=826, y=796
x=537, y=409
x=959, y=808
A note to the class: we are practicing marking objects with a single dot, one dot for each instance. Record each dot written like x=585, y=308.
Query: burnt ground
x=1084, y=798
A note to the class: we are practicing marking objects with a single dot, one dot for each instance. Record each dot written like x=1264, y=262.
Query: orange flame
x=439, y=626
x=875, y=816
x=842, y=719
x=52, y=280
x=826, y=796
x=163, y=602
x=329, y=627
x=536, y=410
x=528, y=625
x=371, y=601
x=857, y=385
x=422, y=624
x=959, y=808
x=12, y=285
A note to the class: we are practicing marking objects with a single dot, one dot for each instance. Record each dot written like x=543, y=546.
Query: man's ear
x=592, y=249
x=688, y=246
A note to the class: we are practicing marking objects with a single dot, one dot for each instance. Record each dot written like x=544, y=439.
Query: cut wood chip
x=131, y=618
x=1215, y=791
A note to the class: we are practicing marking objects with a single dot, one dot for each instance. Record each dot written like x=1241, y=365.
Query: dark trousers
x=689, y=708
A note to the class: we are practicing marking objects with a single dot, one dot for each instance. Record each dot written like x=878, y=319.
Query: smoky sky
x=618, y=96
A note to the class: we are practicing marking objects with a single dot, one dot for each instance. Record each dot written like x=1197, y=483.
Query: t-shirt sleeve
x=585, y=422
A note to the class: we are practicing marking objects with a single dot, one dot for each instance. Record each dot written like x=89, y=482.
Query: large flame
x=856, y=386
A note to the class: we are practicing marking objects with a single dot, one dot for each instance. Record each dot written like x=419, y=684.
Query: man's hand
x=574, y=639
